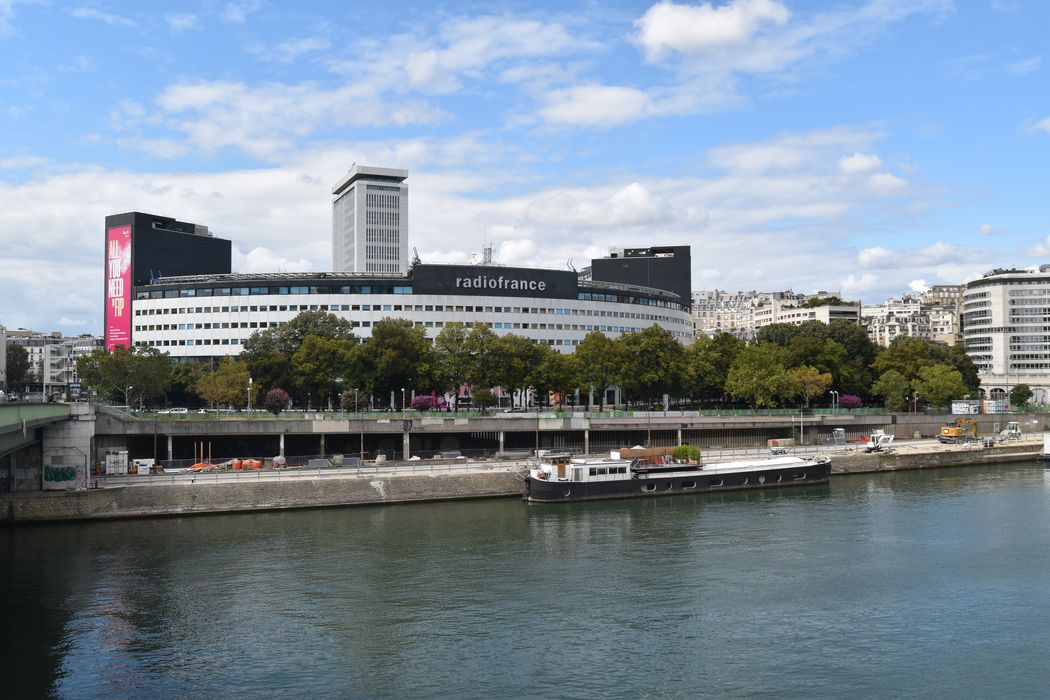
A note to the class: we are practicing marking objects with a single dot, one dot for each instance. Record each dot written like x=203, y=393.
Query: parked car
x=172, y=411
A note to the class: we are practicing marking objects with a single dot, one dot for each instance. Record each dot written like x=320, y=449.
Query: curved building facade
x=1005, y=319
x=206, y=316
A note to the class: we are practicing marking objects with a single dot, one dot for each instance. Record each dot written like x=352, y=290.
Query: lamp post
x=127, y=395
x=249, y=394
x=834, y=401
x=361, y=429
x=402, y=399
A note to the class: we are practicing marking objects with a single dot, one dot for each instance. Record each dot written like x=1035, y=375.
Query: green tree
x=1020, y=394
x=226, y=385
x=322, y=364
x=939, y=384
x=598, y=362
x=519, y=358
x=269, y=352
x=894, y=388
x=653, y=363
x=758, y=375
x=18, y=369
x=556, y=372
x=810, y=382
x=707, y=363
x=397, y=356
x=483, y=368
x=453, y=356
x=138, y=375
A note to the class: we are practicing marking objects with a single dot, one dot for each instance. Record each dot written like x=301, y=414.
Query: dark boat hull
x=558, y=491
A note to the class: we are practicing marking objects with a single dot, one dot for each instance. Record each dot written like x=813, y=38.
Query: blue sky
x=866, y=146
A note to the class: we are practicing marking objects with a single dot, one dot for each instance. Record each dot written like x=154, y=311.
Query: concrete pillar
x=407, y=441
x=679, y=436
x=586, y=441
x=322, y=453
x=502, y=441
x=171, y=450
x=281, y=451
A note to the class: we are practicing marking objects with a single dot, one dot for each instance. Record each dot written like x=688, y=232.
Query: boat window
x=715, y=483
x=592, y=471
x=667, y=486
x=745, y=481
x=688, y=484
x=780, y=477
x=603, y=470
x=648, y=487
x=761, y=479
x=800, y=477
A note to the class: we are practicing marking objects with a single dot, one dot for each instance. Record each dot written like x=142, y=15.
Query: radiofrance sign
x=118, y=287
x=501, y=282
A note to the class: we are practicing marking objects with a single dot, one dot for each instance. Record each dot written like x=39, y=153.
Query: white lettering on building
x=486, y=282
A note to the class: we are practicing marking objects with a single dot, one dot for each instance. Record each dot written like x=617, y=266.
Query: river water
x=919, y=584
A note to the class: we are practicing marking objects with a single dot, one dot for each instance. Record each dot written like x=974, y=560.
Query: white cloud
x=854, y=286
x=1043, y=125
x=291, y=50
x=179, y=22
x=70, y=322
x=105, y=17
x=1005, y=5
x=265, y=260
x=1023, y=66
x=669, y=27
x=877, y=258
x=918, y=286
x=596, y=105
x=237, y=12
x=986, y=229
x=1040, y=250
x=886, y=183
x=859, y=163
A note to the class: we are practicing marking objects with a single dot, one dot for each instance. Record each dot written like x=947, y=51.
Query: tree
x=269, y=352
x=707, y=363
x=142, y=373
x=397, y=356
x=519, y=359
x=18, y=368
x=452, y=356
x=652, y=363
x=810, y=382
x=894, y=388
x=320, y=364
x=939, y=384
x=226, y=385
x=598, y=362
x=276, y=400
x=555, y=373
x=758, y=375
x=1020, y=395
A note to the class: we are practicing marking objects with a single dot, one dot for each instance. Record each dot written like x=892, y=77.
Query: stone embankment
x=206, y=496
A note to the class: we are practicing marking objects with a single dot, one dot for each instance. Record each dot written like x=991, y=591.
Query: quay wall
x=307, y=492
x=202, y=497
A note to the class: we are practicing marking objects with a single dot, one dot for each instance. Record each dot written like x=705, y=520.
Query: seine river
x=919, y=585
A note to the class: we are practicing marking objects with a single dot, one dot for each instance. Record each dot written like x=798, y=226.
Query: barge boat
x=562, y=480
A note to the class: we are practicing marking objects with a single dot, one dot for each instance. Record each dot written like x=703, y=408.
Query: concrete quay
x=268, y=491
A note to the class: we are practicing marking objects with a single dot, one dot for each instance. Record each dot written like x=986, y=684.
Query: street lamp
x=834, y=400
x=127, y=395
x=249, y=394
x=402, y=399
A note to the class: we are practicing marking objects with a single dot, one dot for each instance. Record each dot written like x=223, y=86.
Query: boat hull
x=651, y=486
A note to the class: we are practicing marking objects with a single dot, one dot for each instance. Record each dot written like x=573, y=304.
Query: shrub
x=689, y=453
x=423, y=403
x=849, y=401
x=276, y=401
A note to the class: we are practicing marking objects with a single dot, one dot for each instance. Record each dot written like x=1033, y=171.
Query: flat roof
x=359, y=172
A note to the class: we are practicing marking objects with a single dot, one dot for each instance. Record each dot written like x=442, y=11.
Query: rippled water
x=929, y=584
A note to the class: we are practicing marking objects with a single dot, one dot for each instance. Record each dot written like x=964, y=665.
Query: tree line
x=316, y=360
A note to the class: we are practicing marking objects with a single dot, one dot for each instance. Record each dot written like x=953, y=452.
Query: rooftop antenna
x=486, y=254
x=415, y=256
x=570, y=265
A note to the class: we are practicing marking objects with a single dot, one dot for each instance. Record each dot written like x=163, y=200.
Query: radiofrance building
x=212, y=312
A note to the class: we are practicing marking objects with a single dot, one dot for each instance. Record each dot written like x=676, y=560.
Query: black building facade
x=660, y=267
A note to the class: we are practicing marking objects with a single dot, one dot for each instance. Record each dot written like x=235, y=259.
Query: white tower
x=370, y=221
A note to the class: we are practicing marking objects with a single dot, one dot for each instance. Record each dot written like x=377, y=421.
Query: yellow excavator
x=959, y=431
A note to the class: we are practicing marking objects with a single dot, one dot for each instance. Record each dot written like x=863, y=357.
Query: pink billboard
x=118, y=287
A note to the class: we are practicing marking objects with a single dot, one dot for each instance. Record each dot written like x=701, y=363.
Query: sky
x=871, y=147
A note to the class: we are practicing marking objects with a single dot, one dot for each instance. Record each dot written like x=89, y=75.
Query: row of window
x=271, y=291
x=440, y=308
x=197, y=342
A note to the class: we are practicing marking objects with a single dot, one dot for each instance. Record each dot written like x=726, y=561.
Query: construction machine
x=958, y=431
x=1012, y=432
